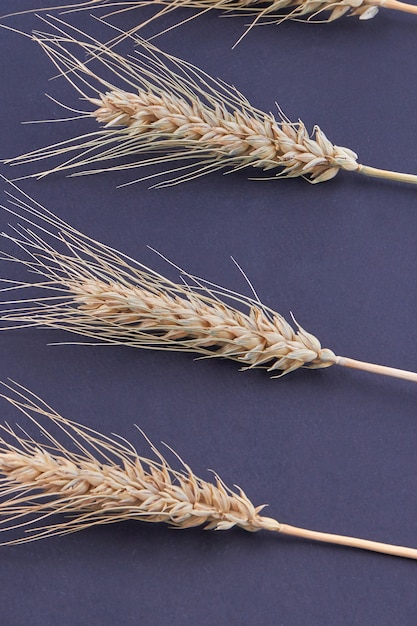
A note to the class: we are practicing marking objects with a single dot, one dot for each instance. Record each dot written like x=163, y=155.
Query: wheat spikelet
x=95, y=479
x=168, y=107
x=92, y=290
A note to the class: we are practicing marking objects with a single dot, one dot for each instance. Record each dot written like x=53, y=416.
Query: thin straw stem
x=387, y=174
x=376, y=369
x=351, y=542
x=397, y=6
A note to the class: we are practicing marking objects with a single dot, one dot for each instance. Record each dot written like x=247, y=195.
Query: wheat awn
x=90, y=289
x=170, y=108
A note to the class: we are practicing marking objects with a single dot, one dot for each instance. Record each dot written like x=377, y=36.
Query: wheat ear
x=94, y=291
x=168, y=107
x=96, y=479
x=270, y=12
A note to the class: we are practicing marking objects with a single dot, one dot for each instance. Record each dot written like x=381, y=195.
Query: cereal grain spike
x=90, y=289
x=162, y=106
x=49, y=488
x=269, y=12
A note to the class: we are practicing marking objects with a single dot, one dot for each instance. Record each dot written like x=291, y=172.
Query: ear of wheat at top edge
x=164, y=111
x=270, y=12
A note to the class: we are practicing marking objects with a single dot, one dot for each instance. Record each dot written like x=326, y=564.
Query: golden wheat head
x=94, y=291
x=70, y=477
x=192, y=124
x=95, y=479
x=269, y=12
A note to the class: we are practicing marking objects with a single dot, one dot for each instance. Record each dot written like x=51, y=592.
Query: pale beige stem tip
x=343, y=540
x=397, y=6
x=387, y=174
x=376, y=369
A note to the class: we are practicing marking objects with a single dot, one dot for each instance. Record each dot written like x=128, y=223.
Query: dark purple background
x=331, y=450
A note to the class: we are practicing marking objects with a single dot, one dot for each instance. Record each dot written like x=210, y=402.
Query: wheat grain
x=95, y=479
x=94, y=291
x=168, y=107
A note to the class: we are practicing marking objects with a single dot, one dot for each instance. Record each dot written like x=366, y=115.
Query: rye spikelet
x=94, y=291
x=167, y=107
x=95, y=479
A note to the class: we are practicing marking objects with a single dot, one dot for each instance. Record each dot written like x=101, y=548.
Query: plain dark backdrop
x=331, y=450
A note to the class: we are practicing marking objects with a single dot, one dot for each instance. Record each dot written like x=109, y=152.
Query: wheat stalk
x=169, y=107
x=94, y=291
x=96, y=479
